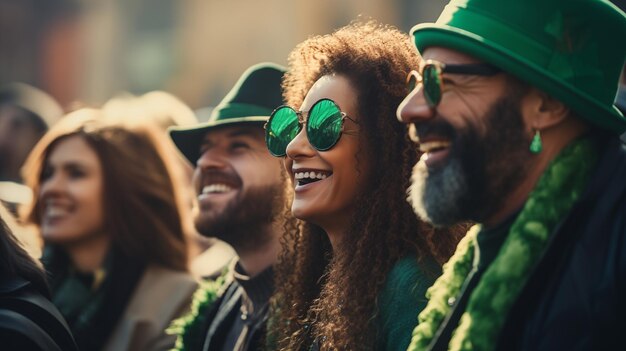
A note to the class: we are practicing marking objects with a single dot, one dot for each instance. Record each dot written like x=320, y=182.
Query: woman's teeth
x=304, y=178
x=309, y=175
x=55, y=211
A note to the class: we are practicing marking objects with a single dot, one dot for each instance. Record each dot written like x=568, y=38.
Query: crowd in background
x=142, y=224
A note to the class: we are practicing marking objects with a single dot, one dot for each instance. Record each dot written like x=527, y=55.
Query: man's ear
x=541, y=111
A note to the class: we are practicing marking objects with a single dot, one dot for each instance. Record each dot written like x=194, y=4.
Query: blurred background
x=90, y=50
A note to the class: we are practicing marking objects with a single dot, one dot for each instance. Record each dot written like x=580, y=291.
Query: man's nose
x=211, y=159
x=414, y=107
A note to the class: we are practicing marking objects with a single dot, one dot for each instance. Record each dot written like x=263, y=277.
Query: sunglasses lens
x=324, y=124
x=281, y=129
x=432, y=85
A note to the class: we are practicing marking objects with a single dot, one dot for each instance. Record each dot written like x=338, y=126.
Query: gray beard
x=481, y=170
x=437, y=198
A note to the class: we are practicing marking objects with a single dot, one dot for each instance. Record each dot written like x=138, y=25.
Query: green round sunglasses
x=324, y=126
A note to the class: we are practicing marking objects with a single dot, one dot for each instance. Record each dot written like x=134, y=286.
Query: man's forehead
x=254, y=131
x=448, y=56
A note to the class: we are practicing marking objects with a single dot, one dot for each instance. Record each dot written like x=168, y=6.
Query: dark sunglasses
x=324, y=126
x=430, y=76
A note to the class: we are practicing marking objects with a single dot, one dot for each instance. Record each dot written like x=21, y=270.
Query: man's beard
x=481, y=170
x=244, y=220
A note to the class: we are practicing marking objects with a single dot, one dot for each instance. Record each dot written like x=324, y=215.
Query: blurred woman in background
x=108, y=211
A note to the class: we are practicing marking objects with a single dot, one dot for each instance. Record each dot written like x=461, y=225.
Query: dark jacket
x=221, y=317
x=29, y=321
x=575, y=298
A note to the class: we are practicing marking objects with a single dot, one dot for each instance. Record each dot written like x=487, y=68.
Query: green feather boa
x=190, y=329
x=554, y=195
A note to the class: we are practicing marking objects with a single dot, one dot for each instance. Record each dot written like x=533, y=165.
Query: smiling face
x=328, y=182
x=238, y=183
x=474, y=144
x=71, y=193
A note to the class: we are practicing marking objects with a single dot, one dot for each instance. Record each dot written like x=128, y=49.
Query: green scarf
x=554, y=195
x=190, y=329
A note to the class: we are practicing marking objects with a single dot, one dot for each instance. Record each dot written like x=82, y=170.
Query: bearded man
x=241, y=200
x=513, y=110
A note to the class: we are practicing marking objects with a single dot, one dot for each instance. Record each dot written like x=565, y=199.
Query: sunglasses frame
x=416, y=77
x=302, y=120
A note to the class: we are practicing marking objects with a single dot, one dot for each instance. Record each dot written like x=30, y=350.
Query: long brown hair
x=141, y=202
x=331, y=295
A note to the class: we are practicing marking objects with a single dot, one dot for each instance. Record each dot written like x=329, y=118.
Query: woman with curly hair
x=354, y=273
x=108, y=210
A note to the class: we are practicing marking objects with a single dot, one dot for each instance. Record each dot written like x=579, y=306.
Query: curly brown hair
x=330, y=294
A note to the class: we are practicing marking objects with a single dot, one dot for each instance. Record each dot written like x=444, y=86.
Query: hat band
x=238, y=110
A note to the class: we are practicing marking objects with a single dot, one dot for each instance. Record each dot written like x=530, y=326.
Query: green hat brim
x=189, y=139
x=597, y=113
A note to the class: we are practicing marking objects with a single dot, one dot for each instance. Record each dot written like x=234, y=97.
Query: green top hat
x=566, y=48
x=253, y=98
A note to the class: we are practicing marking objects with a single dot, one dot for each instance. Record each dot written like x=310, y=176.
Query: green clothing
x=76, y=298
x=402, y=299
x=92, y=305
x=489, y=244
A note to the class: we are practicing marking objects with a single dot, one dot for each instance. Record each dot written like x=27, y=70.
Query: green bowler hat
x=569, y=49
x=253, y=98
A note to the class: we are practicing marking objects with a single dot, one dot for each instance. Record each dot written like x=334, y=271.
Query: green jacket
x=401, y=300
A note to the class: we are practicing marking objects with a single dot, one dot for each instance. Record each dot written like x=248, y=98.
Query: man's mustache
x=216, y=176
x=437, y=126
